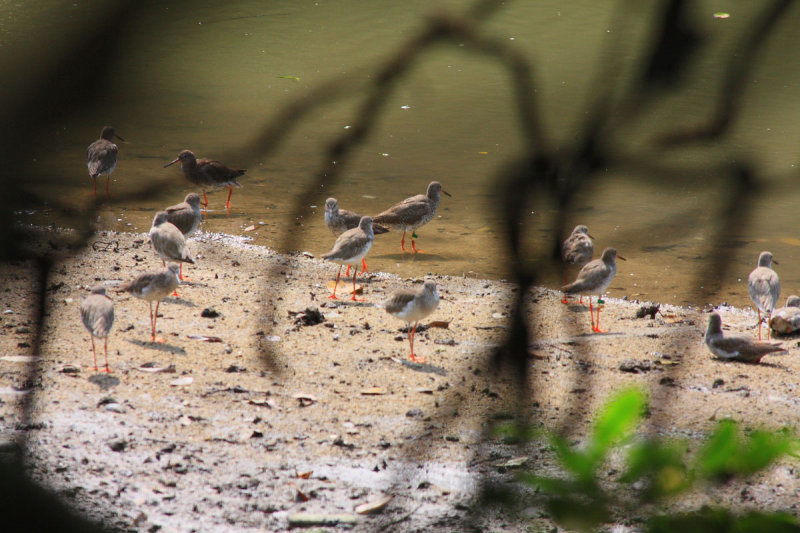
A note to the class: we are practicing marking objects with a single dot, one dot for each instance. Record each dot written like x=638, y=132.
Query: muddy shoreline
x=278, y=418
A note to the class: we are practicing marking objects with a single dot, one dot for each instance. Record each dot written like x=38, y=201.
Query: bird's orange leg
x=205, y=199
x=564, y=299
x=364, y=269
x=333, y=296
x=347, y=274
x=228, y=201
x=94, y=353
x=411, y=336
x=403, y=244
x=355, y=273
x=596, y=327
x=414, y=247
x=105, y=351
x=759, y=323
x=153, y=338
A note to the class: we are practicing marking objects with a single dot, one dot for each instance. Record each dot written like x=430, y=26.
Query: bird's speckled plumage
x=168, y=241
x=186, y=216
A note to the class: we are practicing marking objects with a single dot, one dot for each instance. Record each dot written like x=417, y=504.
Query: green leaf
x=661, y=466
x=574, y=461
x=617, y=420
x=719, y=455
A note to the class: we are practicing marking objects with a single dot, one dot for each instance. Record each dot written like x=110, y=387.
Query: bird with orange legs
x=765, y=288
x=340, y=220
x=577, y=249
x=349, y=249
x=97, y=313
x=101, y=156
x=412, y=213
x=186, y=216
x=208, y=174
x=168, y=242
x=412, y=306
x=594, y=278
x=153, y=287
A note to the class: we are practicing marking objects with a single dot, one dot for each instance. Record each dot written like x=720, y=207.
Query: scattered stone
x=209, y=312
x=416, y=411
x=310, y=317
x=104, y=381
x=339, y=441
x=445, y=342
x=118, y=445
x=635, y=366
x=718, y=383
x=314, y=519
x=180, y=382
x=648, y=310
x=508, y=464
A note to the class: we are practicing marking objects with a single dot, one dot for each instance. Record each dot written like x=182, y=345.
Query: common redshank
x=340, y=220
x=412, y=213
x=764, y=287
x=736, y=347
x=786, y=319
x=186, y=216
x=577, y=249
x=412, y=305
x=168, y=242
x=153, y=287
x=97, y=313
x=208, y=174
x=101, y=156
x=350, y=248
x=594, y=278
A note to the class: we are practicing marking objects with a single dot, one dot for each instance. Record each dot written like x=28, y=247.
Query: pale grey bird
x=168, y=241
x=340, y=220
x=101, y=156
x=764, y=287
x=577, y=249
x=786, y=319
x=412, y=213
x=736, y=347
x=412, y=305
x=186, y=216
x=153, y=287
x=594, y=278
x=97, y=313
x=350, y=248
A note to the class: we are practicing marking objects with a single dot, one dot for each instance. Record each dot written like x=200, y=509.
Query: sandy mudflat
x=236, y=433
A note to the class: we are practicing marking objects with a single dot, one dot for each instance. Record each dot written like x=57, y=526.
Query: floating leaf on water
x=483, y=153
x=295, y=78
x=791, y=241
x=721, y=15
x=374, y=506
x=251, y=227
x=180, y=382
x=373, y=391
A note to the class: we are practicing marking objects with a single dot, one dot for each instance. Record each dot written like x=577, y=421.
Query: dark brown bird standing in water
x=97, y=313
x=153, y=287
x=412, y=213
x=101, y=156
x=340, y=220
x=208, y=174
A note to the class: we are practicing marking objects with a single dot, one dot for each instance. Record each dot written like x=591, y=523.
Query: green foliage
x=578, y=500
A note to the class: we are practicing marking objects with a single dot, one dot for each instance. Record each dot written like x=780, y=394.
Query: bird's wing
x=97, y=313
x=403, y=212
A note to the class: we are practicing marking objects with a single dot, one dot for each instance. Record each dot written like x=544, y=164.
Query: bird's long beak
x=172, y=162
x=590, y=236
x=620, y=257
x=120, y=138
x=448, y=194
x=775, y=262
